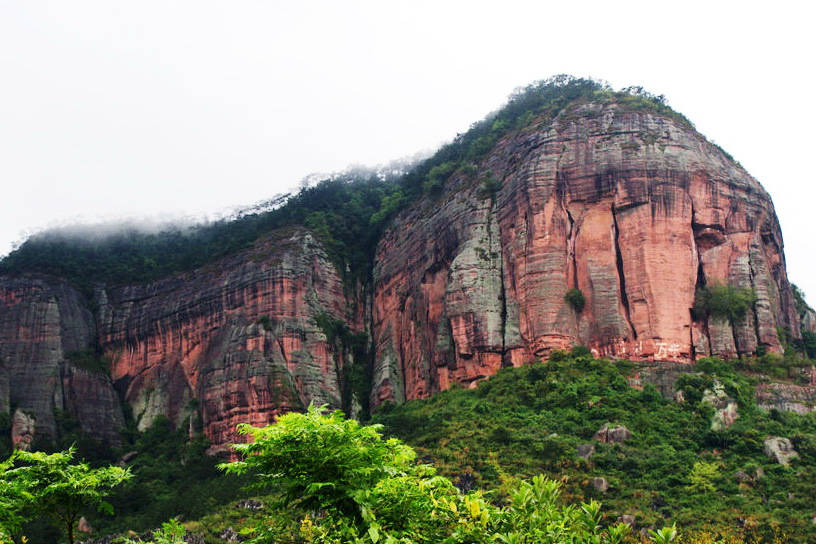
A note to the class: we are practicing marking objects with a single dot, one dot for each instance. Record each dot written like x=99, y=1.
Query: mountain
x=574, y=216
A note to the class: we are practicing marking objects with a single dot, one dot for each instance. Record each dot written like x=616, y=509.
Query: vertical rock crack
x=621, y=275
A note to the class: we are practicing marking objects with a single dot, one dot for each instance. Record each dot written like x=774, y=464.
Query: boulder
x=780, y=449
x=83, y=526
x=726, y=408
x=229, y=535
x=23, y=427
x=251, y=504
x=585, y=451
x=613, y=435
x=601, y=485
x=741, y=477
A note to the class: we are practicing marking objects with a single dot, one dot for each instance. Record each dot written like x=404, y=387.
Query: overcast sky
x=162, y=108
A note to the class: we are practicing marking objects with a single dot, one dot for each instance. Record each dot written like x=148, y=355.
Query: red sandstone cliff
x=235, y=342
x=43, y=322
x=635, y=209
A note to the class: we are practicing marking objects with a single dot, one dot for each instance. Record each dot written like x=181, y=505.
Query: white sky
x=155, y=107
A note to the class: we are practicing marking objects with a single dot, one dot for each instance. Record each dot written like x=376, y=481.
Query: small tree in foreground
x=346, y=484
x=54, y=485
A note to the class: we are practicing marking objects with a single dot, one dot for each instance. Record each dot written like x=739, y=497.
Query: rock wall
x=43, y=322
x=235, y=342
x=787, y=397
x=636, y=210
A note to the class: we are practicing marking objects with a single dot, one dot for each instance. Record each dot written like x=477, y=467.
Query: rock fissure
x=624, y=297
x=699, y=284
x=502, y=287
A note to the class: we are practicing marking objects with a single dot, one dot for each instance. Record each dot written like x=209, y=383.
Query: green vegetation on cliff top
x=347, y=211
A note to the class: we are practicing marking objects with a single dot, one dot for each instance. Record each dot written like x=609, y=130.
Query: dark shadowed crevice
x=571, y=236
x=701, y=282
x=572, y=232
x=693, y=348
x=751, y=267
x=621, y=275
x=502, y=287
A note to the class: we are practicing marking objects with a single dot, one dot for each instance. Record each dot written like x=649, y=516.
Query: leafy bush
x=345, y=483
x=576, y=299
x=34, y=483
x=530, y=420
x=724, y=302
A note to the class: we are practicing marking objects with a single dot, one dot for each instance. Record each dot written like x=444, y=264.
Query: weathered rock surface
x=809, y=321
x=585, y=451
x=42, y=322
x=726, y=408
x=236, y=342
x=612, y=435
x=634, y=209
x=23, y=429
x=661, y=375
x=779, y=449
x=786, y=397
x=601, y=485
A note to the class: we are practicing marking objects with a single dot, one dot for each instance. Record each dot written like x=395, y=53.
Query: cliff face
x=634, y=209
x=42, y=324
x=237, y=342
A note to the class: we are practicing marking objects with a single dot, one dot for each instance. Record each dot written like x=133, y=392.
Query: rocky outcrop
x=809, y=321
x=612, y=435
x=239, y=341
x=23, y=429
x=236, y=342
x=800, y=399
x=661, y=375
x=42, y=324
x=779, y=449
x=636, y=210
x=725, y=407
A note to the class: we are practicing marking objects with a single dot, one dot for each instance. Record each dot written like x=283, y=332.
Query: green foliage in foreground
x=343, y=483
x=34, y=483
x=171, y=532
x=173, y=476
x=674, y=469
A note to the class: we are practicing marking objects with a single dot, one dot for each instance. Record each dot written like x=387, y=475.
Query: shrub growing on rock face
x=576, y=299
x=723, y=301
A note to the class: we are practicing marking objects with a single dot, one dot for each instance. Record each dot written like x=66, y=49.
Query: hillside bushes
x=342, y=482
x=532, y=420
